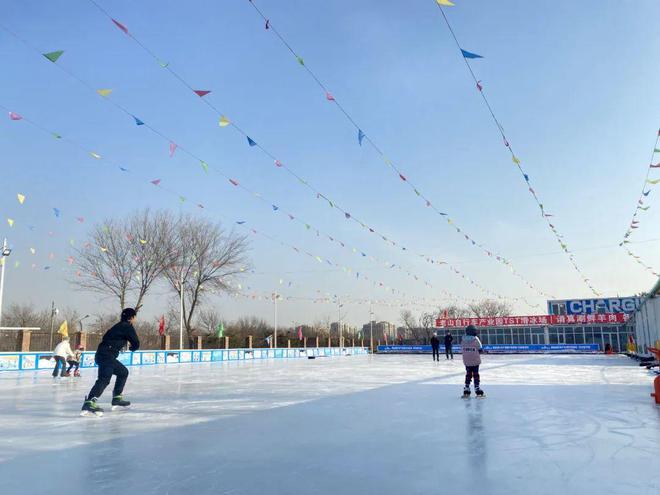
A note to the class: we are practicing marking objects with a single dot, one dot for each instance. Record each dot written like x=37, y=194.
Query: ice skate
x=76, y=374
x=118, y=403
x=67, y=374
x=91, y=407
x=479, y=393
x=466, y=393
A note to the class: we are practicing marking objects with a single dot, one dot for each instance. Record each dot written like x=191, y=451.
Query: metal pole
x=52, y=315
x=275, y=304
x=2, y=274
x=341, y=344
x=181, y=312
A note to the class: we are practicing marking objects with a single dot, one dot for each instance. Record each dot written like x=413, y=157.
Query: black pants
x=59, y=361
x=472, y=372
x=449, y=351
x=108, y=366
x=436, y=353
x=73, y=364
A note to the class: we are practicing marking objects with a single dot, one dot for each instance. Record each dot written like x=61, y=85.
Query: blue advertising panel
x=503, y=348
x=596, y=306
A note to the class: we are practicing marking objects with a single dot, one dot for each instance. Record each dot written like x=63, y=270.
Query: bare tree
x=205, y=257
x=427, y=322
x=125, y=257
x=409, y=321
x=453, y=311
x=25, y=315
x=208, y=321
x=490, y=308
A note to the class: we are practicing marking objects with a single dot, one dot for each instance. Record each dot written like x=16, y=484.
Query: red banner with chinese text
x=510, y=321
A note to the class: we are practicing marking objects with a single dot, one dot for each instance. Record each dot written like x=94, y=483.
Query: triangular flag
x=646, y=193
x=515, y=160
x=142, y=241
x=80, y=219
x=657, y=165
x=155, y=182
x=360, y=136
x=33, y=251
x=645, y=208
x=10, y=221
x=138, y=121
x=120, y=26
x=654, y=181
x=182, y=199
x=163, y=64
x=300, y=60
x=204, y=166
x=64, y=329
x=14, y=116
x=445, y=3
x=479, y=86
x=240, y=222
x=467, y=54
x=53, y=56
x=278, y=163
x=234, y=182
x=56, y=135
x=250, y=141
x=123, y=169
x=275, y=207
x=56, y=211
x=95, y=155
x=220, y=332
x=201, y=92
x=104, y=92
x=403, y=178
x=224, y=121
x=657, y=150
x=329, y=97
x=267, y=25
x=21, y=198
x=173, y=147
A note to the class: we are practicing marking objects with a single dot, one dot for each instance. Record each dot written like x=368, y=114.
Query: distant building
x=346, y=329
x=380, y=329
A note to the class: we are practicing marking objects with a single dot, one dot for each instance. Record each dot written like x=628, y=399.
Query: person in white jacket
x=61, y=352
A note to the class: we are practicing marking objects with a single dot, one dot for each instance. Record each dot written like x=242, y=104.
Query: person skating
x=106, y=358
x=449, y=339
x=61, y=353
x=472, y=349
x=435, y=347
x=74, y=362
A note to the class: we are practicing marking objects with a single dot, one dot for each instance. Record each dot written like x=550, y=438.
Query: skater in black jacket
x=449, y=339
x=435, y=347
x=112, y=343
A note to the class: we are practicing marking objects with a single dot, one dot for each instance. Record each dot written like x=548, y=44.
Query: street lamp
x=6, y=251
x=81, y=320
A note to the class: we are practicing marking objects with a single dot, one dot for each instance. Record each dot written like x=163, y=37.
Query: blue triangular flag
x=647, y=193
x=250, y=142
x=123, y=169
x=138, y=121
x=240, y=222
x=275, y=208
x=360, y=136
x=57, y=212
x=467, y=54
x=526, y=177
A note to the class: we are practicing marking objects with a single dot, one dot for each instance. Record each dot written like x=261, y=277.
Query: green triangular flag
x=53, y=56
x=221, y=331
x=204, y=166
x=300, y=60
x=657, y=150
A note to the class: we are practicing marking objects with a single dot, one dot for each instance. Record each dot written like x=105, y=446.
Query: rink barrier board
x=34, y=361
x=495, y=348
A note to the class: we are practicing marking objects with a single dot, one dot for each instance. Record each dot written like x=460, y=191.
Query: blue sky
x=574, y=84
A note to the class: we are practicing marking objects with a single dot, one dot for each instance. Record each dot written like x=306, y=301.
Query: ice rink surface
x=347, y=425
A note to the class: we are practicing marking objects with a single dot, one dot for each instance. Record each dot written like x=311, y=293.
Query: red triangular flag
x=155, y=182
x=201, y=92
x=235, y=183
x=120, y=26
x=161, y=325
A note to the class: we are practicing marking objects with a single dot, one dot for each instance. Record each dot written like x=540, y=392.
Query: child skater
x=74, y=362
x=472, y=349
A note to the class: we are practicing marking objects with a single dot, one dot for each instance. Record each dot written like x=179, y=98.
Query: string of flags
x=397, y=171
x=224, y=121
x=349, y=271
x=641, y=206
x=467, y=56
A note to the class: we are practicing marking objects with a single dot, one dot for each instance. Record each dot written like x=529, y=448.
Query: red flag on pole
x=300, y=334
x=161, y=325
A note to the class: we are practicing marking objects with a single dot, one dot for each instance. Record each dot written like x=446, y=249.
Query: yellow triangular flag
x=21, y=198
x=654, y=182
x=143, y=241
x=10, y=222
x=103, y=250
x=64, y=329
x=224, y=121
x=104, y=92
x=445, y=3
x=95, y=155
x=515, y=159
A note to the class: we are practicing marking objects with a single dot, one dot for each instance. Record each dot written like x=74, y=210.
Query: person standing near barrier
x=471, y=348
x=449, y=340
x=61, y=353
x=112, y=343
x=435, y=347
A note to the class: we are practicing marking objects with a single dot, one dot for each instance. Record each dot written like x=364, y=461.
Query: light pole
x=53, y=311
x=80, y=321
x=341, y=338
x=275, y=307
x=5, y=253
x=181, y=311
